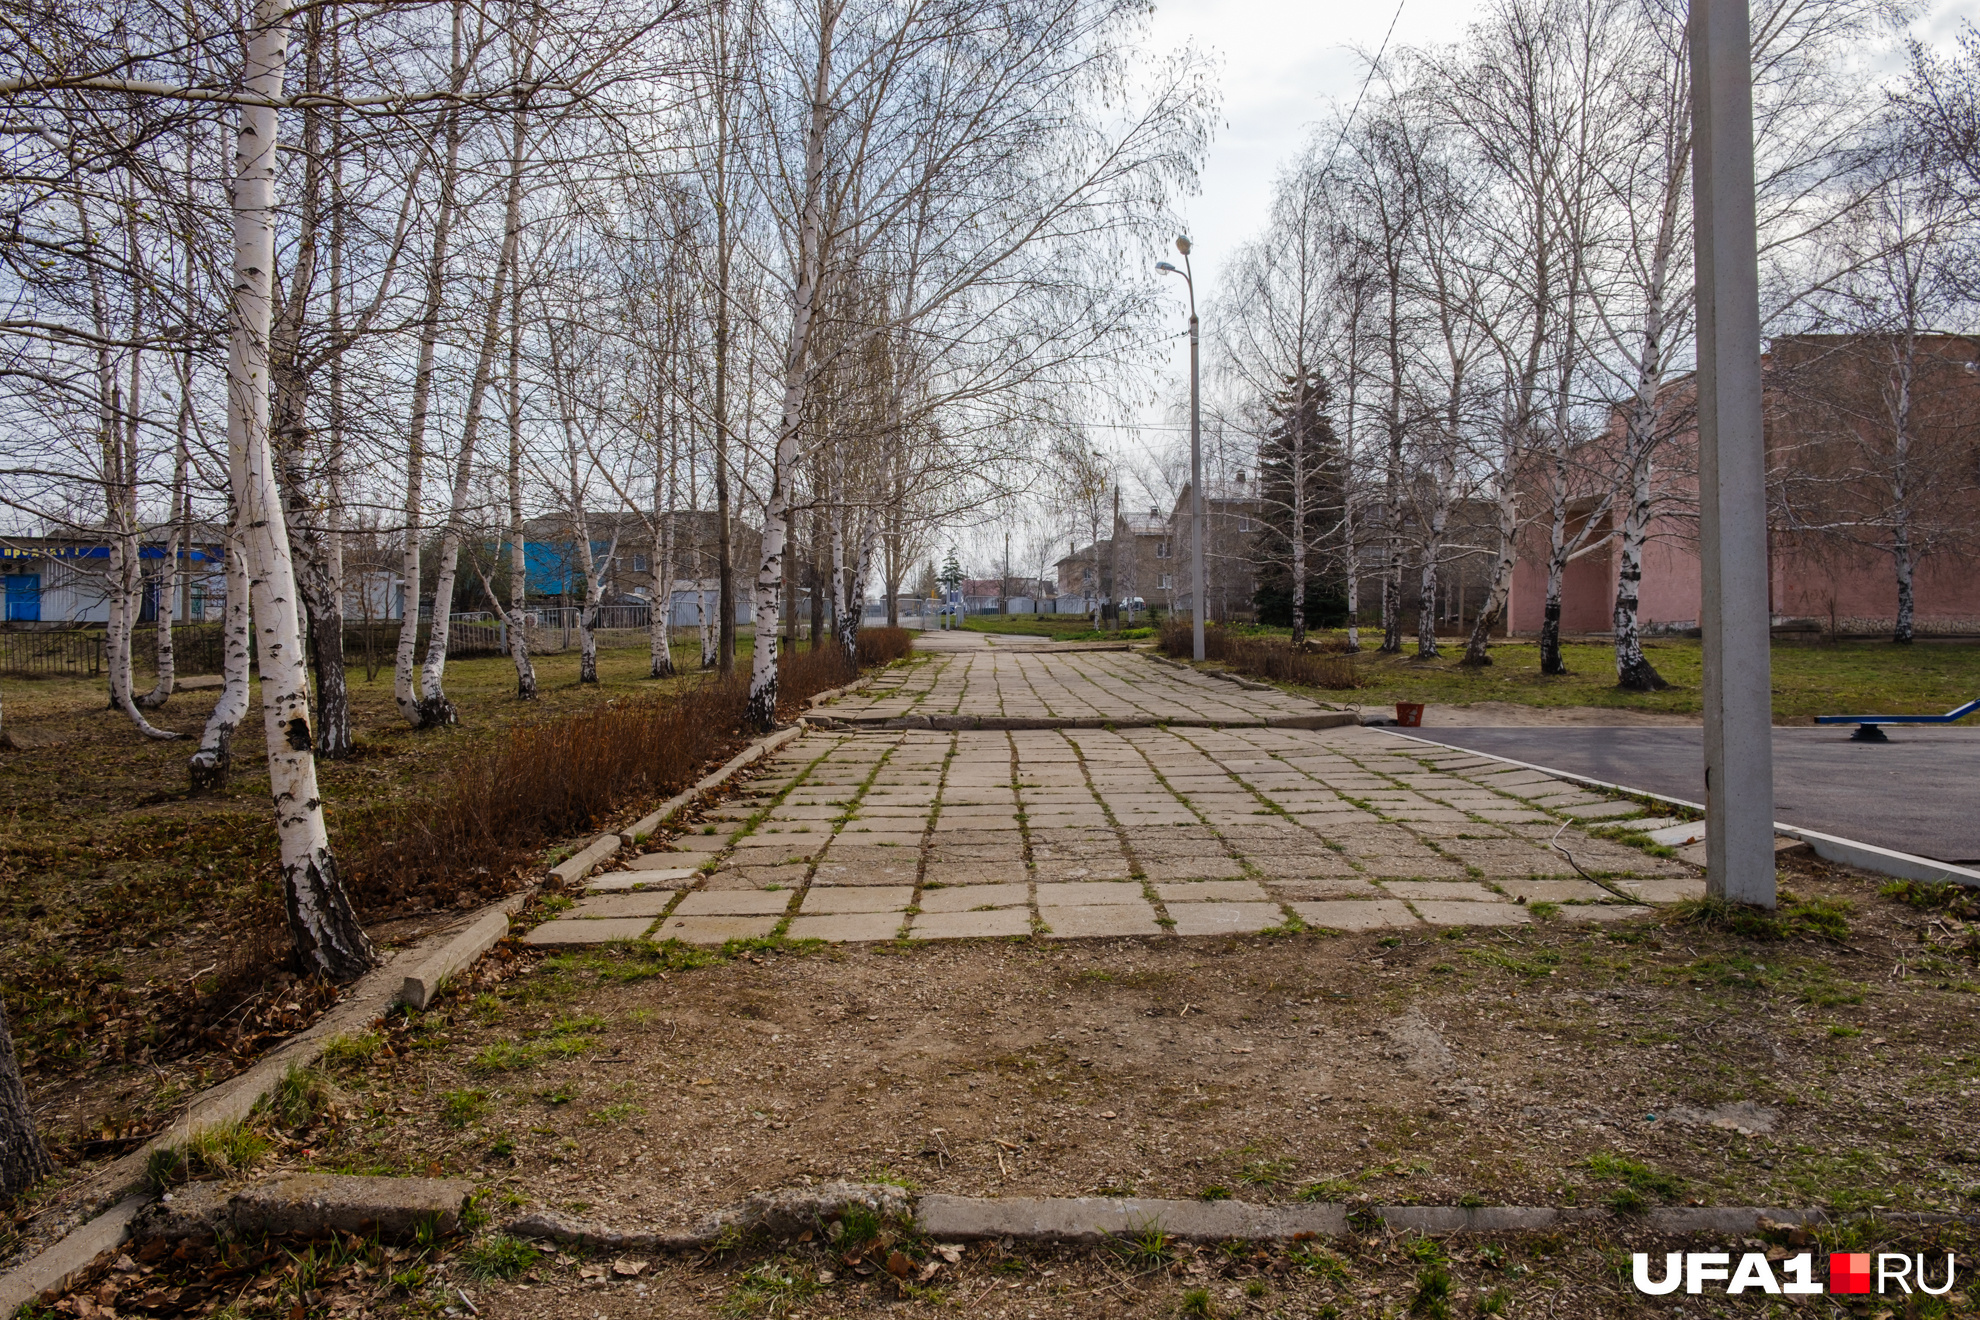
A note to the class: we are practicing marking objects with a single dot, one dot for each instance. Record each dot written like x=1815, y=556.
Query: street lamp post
x=1196, y=595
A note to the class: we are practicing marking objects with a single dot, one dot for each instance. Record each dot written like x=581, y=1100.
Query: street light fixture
x=1197, y=596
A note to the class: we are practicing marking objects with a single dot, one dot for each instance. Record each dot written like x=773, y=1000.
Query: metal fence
x=196, y=649
x=75, y=652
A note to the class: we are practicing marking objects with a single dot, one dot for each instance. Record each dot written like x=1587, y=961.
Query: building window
x=1161, y=549
x=1168, y=582
x=639, y=563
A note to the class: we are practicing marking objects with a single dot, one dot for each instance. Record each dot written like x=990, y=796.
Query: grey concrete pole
x=1197, y=596
x=1732, y=463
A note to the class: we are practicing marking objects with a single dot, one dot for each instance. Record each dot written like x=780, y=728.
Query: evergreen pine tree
x=1301, y=450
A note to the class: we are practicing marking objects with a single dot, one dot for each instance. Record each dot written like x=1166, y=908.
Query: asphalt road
x=1918, y=793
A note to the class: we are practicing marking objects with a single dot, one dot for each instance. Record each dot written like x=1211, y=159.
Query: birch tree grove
x=635, y=289
x=1501, y=282
x=922, y=152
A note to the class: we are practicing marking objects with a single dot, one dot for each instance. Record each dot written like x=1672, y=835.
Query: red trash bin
x=1409, y=714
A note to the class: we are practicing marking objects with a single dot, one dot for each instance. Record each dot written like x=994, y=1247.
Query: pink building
x=1844, y=487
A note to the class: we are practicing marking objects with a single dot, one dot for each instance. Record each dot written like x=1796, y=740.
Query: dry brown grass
x=496, y=813
x=1263, y=656
x=881, y=646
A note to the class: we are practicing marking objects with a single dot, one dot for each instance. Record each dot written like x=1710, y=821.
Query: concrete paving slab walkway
x=855, y=835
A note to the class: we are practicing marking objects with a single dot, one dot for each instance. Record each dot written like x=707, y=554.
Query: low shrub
x=882, y=646
x=1262, y=656
x=550, y=781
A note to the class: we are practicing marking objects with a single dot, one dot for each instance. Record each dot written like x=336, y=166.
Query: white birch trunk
x=1633, y=671
x=1557, y=557
x=1505, y=503
x=210, y=765
x=660, y=643
x=1299, y=524
x=433, y=695
x=328, y=939
x=666, y=483
x=862, y=566
x=517, y=616
x=1351, y=549
x=594, y=596
x=125, y=588
x=1433, y=550
x=404, y=685
x=761, y=714
x=168, y=582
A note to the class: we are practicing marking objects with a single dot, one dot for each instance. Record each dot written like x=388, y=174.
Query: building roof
x=1085, y=553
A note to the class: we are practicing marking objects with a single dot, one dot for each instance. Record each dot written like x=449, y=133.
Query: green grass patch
x=462, y=1107
x=499, y=1256
x=1794, y=917
x=1956, y=901
x=1640, y=1182
x=300, y=1097
x=1808, y=680
x=1540, y=964
x=1146, y=1247
x=770, y=1287
x=352, y=1050
x=221, y=1151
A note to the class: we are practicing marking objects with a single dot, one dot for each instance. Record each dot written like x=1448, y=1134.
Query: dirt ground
x=1584, y=1272
x=1554, y=1064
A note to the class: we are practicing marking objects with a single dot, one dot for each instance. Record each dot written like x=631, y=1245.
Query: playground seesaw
x=1866, y=725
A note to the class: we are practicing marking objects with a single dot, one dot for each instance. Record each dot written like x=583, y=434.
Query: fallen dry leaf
x=628, y=1269
x=898, y=1265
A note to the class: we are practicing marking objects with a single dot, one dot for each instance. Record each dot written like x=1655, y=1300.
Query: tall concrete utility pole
x=1732, y=463
x=1196, y=597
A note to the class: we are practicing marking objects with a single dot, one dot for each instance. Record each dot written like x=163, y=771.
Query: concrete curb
x=61, y=1262
x=791, y=1210
x=413, y=976
x=424, y=981
x=749, y=755
x=573, y=869
x=122, y=1182
x=1849, y=852
x=1091, y=1220
x=1330, y=719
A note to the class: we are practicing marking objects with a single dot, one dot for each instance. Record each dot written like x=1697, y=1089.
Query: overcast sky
x=1285, y=64
x=1282, y=67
